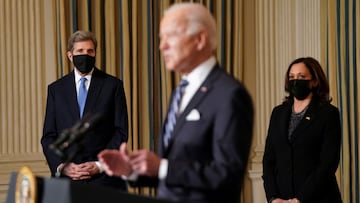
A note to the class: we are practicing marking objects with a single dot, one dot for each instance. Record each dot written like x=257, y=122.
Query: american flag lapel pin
x=203, y=89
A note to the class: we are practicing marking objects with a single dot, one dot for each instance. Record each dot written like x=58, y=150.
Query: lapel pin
x=203, y=89
x=307, y=118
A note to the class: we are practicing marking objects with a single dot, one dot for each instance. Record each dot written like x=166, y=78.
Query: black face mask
x=84, y=63
x=300, y=89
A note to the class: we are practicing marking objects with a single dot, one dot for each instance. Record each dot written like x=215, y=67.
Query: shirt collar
x=199, y=73
x=78, y=76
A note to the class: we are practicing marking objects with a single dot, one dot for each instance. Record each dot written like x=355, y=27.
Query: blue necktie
x=82, y=95
x=173, y=111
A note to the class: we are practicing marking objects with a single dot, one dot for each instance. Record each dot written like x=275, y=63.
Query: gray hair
x=197, y=17
x=80, y=36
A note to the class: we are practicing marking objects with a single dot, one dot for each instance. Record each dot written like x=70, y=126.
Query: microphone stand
x=73, y=136
x=74, y=139
x=68, y=159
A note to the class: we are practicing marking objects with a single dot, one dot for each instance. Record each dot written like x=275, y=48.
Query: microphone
x=87, y=124
x=74, y=134
x=62, y=138
x=64, y=135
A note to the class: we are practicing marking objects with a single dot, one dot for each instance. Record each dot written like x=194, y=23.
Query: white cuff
x=101, y=168
x=131, y=177
x=59, y=168
x=163, y=169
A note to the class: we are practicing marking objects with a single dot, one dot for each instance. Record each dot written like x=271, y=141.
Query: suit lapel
x=69, y=92
x=285, y=121
x=305, y=121
x=200, y=94
x=94, y=91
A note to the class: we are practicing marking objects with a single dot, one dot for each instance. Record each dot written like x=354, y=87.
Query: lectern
x=53, y=190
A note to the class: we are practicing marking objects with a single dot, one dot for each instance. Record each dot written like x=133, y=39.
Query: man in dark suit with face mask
x=85, y=91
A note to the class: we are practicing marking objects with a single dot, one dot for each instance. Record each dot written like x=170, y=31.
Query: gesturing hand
x=116, y=162
x=145, y=162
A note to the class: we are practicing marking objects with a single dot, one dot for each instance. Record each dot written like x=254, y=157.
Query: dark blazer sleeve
x=145, y=181
x=269, y=162
x=49, y=132
x=323, y=175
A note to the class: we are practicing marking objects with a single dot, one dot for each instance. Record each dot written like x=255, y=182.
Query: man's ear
x=69, y=55
x=202, y=39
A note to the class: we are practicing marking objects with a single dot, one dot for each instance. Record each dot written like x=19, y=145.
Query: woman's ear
x=314, y=84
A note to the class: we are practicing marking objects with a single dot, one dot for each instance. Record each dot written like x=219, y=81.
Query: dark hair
x=80, y=36
x=321, y=90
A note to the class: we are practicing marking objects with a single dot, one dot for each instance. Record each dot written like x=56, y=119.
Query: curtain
x=342, y=63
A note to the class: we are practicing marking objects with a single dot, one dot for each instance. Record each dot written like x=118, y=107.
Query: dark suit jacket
x=105, y=96
x=305, y=166
x=208, y=157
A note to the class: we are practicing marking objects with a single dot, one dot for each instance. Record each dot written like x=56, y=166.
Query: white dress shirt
x=78, y=77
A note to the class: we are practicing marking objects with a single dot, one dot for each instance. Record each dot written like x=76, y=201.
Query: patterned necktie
x=173, y=111
x=82, y=95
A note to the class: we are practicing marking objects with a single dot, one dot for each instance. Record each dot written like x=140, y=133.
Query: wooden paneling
x=13, y=163
x=26, y=37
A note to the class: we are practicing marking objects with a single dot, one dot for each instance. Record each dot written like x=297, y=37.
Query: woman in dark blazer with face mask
x=302, y=150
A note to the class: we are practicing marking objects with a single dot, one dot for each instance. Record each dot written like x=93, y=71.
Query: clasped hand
x=124, y=163
x=80, y=171
x=279, y=200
